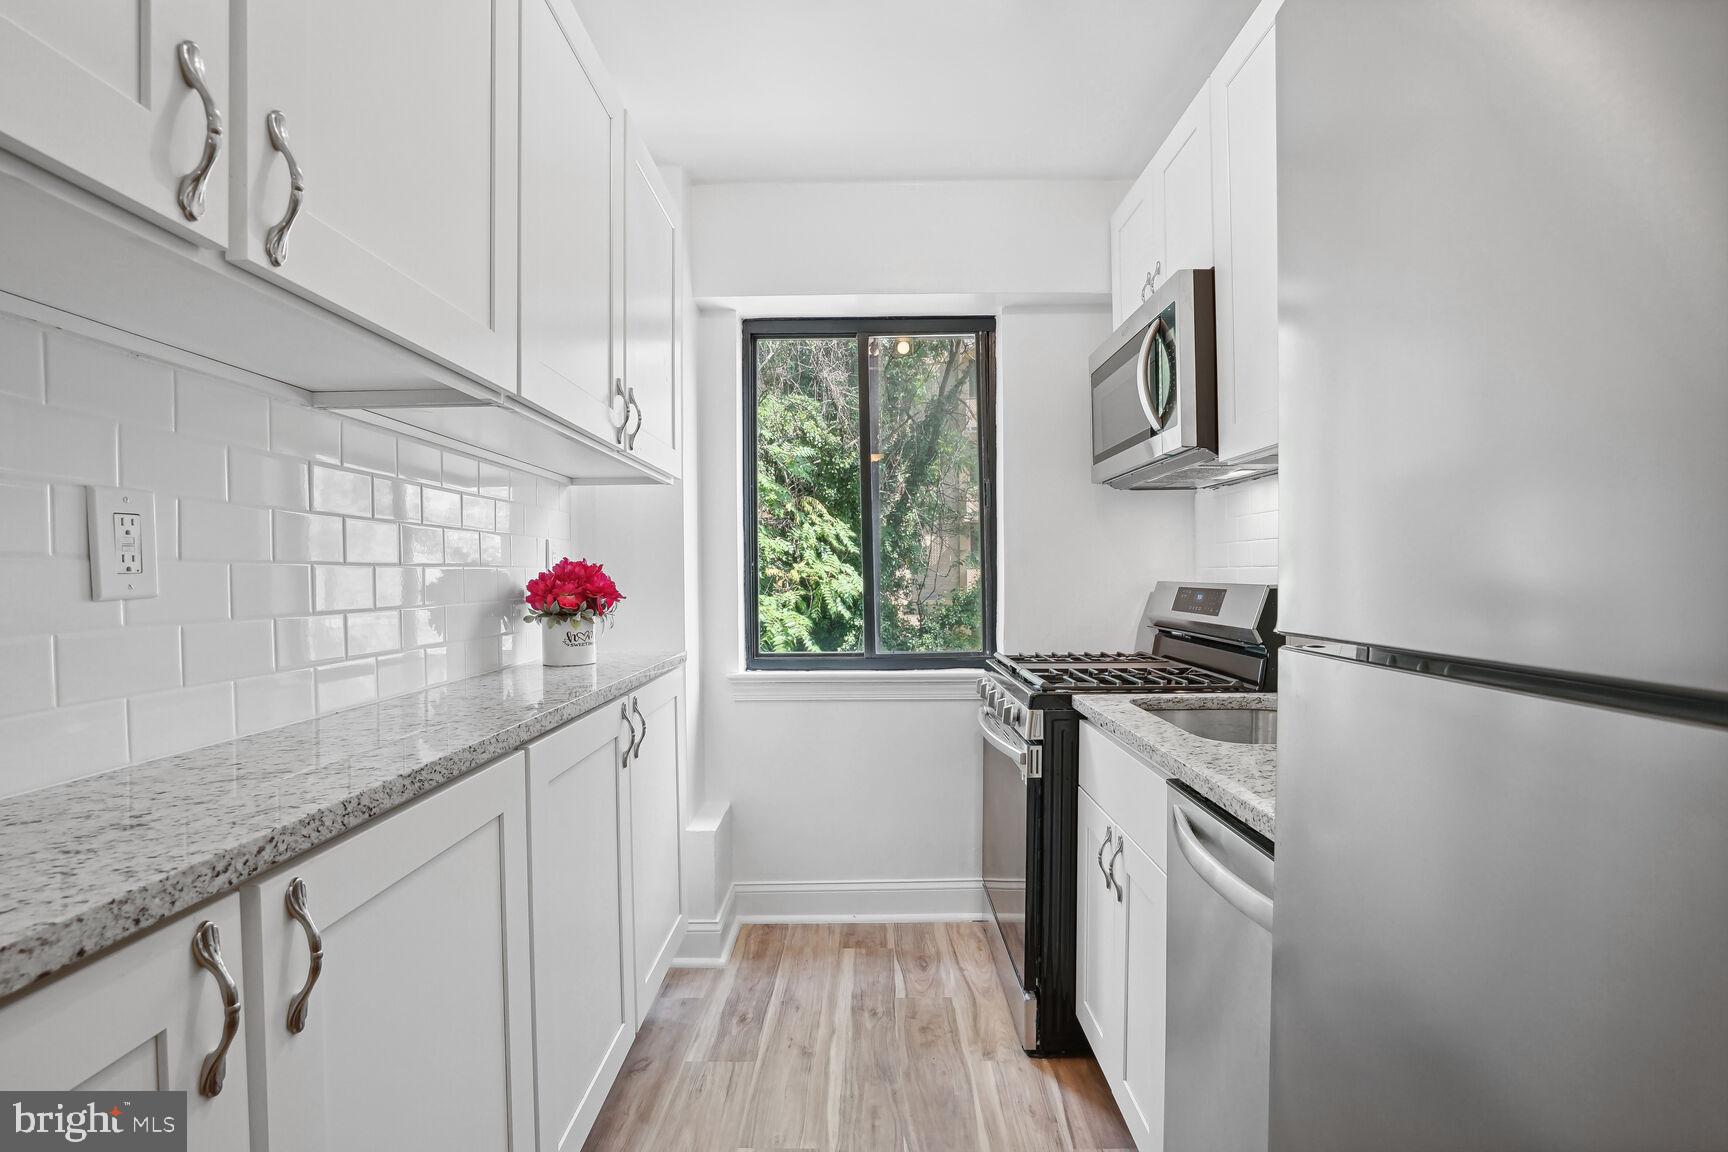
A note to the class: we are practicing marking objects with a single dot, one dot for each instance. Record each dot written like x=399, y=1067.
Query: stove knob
x=983, y=688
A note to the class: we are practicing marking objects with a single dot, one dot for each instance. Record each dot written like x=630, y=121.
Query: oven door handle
x=1026, y=757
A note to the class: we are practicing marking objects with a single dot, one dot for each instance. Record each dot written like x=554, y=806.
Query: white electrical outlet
x=122, y=543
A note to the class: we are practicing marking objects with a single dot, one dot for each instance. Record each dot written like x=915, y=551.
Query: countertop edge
x=45, y=949
x=1254, y=811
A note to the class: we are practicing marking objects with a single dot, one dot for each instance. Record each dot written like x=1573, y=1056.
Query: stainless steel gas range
x=1193, y=638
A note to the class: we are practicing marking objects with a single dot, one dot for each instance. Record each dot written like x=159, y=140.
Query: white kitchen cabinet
x=416, y=1027
x=98, y=94
x=1099, y=989
x=579, y=877
x=572, y=164
x=1136, y=247
x=145, y=1017
x=407, y=222
x=651, y=319
x=1245, y=238
x=1140, y=1086
x=656, y=884
x=1165, y=222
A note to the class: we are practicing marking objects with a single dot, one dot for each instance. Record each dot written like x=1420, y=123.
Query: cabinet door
x=656, y=887
x=1245, y=237
x=579, y=878
x=572, y=153
x=651, y=324
x=401, y=116
x=1136, y=247
x=1140, y=1090
x=95, y=93
x=417, y=1029
x=1098, y=984
x=142, y=1018
x=1184, y=173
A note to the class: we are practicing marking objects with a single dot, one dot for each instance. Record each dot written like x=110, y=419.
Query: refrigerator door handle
x=1240, y=894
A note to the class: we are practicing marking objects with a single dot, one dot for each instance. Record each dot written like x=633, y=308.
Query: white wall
x=1236, y=532
x=307, y=563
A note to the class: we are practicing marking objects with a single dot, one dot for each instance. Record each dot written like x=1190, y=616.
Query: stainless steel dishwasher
x=1219, y=1011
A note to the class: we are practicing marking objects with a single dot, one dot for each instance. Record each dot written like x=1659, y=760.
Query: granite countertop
x=85, y=864
x=1242, y=779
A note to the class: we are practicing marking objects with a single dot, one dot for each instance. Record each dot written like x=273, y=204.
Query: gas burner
x=1116, y=672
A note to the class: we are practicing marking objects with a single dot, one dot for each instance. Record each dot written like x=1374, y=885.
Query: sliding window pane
x=809, y=539
x=926, y=472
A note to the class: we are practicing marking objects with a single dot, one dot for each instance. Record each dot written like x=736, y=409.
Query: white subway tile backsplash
x=115, y=662
x=349, y=493
x=372, y=542
x=109, y=381
x=26, y=675
x=42, y=748
x=164, y=723
x=164, y=462
x=1236, y=532
x=227, y=650
x=187, y=591
x=347, y=684
x=20, y=358
x=213, y=531
x=303, y=640
x=236, y=640
x=338, y=588
x=214, y=409
x=24, y=520
x=300, y=537
x=368, y=448
x=305, y=432
x=57, y=444
x=265, y=480
x=270, y=590
x=271, y=701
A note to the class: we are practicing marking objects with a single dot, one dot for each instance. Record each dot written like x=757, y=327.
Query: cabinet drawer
x=1127, y=787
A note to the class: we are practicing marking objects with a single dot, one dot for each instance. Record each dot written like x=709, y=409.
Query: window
x=869, y=448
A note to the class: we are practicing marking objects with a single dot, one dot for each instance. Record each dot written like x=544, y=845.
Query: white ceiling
x=909, y=89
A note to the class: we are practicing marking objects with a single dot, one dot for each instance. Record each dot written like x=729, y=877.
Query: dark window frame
x=862, y=328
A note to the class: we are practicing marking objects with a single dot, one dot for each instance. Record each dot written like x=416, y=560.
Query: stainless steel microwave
x=1155, y=392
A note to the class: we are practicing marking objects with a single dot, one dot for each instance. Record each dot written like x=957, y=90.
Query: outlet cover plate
x=122, y=524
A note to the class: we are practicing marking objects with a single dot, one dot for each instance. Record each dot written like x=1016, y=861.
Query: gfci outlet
x=122, y=543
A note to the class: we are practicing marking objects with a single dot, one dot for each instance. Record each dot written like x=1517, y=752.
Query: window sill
x=857, y=685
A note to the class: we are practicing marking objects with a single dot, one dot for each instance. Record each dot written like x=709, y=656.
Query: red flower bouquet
x=571, y=588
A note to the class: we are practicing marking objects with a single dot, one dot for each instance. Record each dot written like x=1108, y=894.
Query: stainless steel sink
x=1231, y=725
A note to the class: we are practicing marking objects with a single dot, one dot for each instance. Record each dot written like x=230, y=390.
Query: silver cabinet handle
x=630, y=405
x=619, y=395
x=1103, y=848
x=207, y=951
x=296, y=903
x=276, y=239
x=1237, y=892
x=1121, y=842
x=624, y=715
x=636, y=750
x=192, y=184
x=1146, y=288
x=1157, y=271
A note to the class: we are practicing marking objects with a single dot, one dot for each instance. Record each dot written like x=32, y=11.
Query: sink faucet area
x=1229, y=725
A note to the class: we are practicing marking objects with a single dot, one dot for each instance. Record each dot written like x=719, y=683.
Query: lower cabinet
x=161, y=1013
x=1120, y=987
x=388, y=977
x=656, y=884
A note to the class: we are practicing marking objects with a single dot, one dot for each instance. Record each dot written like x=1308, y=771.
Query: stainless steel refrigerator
x=1502, y=881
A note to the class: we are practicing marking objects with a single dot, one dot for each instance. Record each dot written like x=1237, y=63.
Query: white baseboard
x=708, y=943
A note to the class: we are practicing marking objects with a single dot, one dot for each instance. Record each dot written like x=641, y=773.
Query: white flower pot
x=570, y=642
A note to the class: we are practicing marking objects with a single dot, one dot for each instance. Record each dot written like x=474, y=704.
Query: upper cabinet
x=1244, y=96
x=381, y=181
x=651, y=320
x=1165, y=222
x=572, y=164
x=130, y=101
x=1209, y=199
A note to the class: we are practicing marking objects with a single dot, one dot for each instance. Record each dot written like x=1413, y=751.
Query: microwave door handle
x=1143, y=372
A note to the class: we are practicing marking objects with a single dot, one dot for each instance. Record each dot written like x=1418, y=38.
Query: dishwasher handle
x=1240, y=894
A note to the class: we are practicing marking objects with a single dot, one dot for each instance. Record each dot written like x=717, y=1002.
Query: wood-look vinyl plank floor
x=849, y=1038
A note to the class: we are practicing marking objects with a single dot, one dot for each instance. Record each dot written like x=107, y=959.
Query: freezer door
x=1502, y=920
x=1503, y=332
